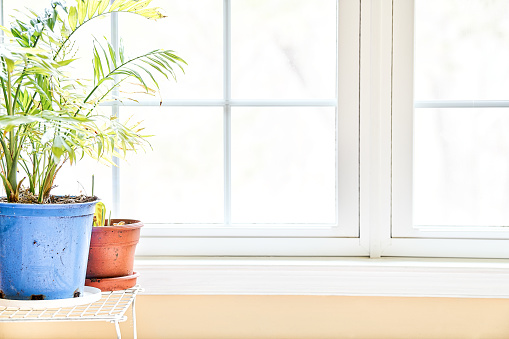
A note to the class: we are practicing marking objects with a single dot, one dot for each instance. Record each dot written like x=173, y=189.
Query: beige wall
x=294, y=317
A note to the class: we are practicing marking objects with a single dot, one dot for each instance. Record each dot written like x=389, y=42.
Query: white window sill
x=399, y=277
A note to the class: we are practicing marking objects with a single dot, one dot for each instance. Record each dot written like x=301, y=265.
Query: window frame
x=379, y=70
x=288, y=239
x=340, y=238
x=406, y=239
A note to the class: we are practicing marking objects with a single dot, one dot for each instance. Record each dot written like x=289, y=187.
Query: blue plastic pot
x=44, y=250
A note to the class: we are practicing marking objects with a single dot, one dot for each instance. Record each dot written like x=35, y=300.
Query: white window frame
x=422, y=277
x=376, y=143
x=406, y=239
x=340, y=238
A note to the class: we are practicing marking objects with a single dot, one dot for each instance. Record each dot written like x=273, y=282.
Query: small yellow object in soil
x=120, y=223
x=99, y=214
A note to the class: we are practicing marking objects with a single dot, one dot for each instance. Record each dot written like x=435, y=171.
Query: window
x=317, y=128
x=449, y=186
x=256, y=147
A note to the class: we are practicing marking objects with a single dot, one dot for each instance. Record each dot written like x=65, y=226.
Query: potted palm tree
x=47, y=118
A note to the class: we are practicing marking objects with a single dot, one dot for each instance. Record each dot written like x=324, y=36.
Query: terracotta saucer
x=113, y=284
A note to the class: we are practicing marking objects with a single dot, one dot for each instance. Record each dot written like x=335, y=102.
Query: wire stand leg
x=117, y=327
x=135, y=333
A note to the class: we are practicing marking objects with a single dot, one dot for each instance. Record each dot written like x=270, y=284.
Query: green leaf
x=121, y=54
x=156, y=62
x=9, y=63
x=150, y=74
x=98, y=69
x=64, y=62
x=110, y=66
x=99, y=148
x=39, y=89
x=9, y=122
x=61, y=117
x=66, y=146
x=112, y=55
x=58, y=148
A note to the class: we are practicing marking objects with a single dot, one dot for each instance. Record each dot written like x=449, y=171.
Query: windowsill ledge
x=398, y=277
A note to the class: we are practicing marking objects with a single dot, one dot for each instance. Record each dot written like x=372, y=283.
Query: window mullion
x=2, y=14
x=227, y=109
x=115, y=170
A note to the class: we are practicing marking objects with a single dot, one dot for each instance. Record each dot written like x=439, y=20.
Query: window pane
x=461, y=167
x=194, y=30
x=461, y=50
x=12, y=7
x=283, y=49
x=283, y=165
x=181, y=179
x=77, y=179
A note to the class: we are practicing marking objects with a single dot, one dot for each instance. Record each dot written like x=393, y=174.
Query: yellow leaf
x=6, y=31
x=73, y=17
x=82, y=11
x=10, y=64
x=102, y=6
x=99, y=214
x=116, y=4
x=127, y=6
x=92, y=7
x=150, y=13
x=141, y=4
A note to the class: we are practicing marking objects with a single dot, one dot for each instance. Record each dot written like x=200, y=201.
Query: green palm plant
x=47, y=117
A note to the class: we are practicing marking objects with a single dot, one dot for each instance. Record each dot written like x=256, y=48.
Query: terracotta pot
x=112, y=249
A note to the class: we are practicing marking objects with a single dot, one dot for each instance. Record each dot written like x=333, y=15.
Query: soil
x=25, y=197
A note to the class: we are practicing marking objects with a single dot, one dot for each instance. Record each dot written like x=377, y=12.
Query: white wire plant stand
x=111, y=307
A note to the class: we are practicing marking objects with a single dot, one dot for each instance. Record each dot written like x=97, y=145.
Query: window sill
x=398, y=277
